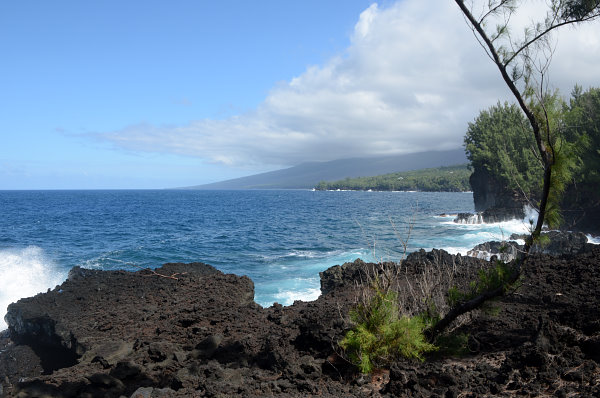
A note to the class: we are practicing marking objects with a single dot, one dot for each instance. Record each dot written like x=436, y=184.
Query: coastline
x=203, y=334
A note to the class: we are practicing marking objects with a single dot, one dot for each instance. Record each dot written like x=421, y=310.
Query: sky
x=154, y=94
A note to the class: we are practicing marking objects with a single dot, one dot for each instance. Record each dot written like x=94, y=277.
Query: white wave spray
x=24, y=273
x=473, y=231
x=595, y=240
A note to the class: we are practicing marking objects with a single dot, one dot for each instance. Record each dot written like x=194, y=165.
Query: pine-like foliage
x=582, y=125
x=500, y=141
x=382, y=336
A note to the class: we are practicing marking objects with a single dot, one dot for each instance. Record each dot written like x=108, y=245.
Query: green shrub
x=381, y=335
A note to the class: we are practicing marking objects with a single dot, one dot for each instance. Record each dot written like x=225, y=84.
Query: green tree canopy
x=582, y=125
x=500, y=141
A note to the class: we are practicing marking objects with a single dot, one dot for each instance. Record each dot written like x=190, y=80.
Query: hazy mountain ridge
x=308, y=175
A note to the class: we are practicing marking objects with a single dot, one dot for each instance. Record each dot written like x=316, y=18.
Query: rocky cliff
x=495, y=203
x=581, y=209
x=492, y=200
x=489, y=193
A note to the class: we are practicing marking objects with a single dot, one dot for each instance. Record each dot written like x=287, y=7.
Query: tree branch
x=511, y=85
x=546, y=31
x=493, y=10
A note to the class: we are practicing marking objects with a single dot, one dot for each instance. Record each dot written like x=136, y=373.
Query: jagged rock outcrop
x=491, y=215
x=182, y=330
x=493, y=201
x=339, y=277
x=503, y=251
x=190, y=330
x=559, y=243
x=421, y=259
x=500, y=214
x=468, y=218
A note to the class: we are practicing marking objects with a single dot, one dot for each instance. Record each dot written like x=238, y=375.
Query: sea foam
x=25, y=272
x=288, y=297
x=465, y=236
x=595, y=240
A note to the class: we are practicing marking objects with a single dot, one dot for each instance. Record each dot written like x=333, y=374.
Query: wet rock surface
x=489, y=193
x=558, y=243
x=491, y=215
x=561, y=243
x=190, y=330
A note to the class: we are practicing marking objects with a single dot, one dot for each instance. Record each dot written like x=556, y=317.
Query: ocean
x=281, y=239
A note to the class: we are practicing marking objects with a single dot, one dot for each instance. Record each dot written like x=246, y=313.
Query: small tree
x=523, y=63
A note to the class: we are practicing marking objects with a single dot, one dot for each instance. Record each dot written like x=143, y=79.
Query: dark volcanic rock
x=560, y=243
x=349, y=275
x=504, y=251
x=468, y=218
x=195, y=331
x=491, y=215
x=419, y=260
x=98, y=319
x=543, y=342
x=184, y=330
x=503, y=213
x=488, y=193
x=16, y=362
x=337, y=276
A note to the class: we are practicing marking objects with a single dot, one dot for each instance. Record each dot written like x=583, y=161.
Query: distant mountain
x=308, y=175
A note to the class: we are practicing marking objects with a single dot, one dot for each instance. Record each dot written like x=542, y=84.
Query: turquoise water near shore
x=280, y=239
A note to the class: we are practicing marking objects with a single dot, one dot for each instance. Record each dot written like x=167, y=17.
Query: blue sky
x=154, y=94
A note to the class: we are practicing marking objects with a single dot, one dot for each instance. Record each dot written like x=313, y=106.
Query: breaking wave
x=25, y=272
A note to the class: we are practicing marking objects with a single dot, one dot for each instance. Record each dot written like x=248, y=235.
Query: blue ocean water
x=280, y=239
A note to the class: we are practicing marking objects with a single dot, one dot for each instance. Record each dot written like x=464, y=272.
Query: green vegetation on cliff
x=583, y=122
x=500, y=141
x=444, y=179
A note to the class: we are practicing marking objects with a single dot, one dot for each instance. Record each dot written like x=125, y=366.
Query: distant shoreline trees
x=440, y=179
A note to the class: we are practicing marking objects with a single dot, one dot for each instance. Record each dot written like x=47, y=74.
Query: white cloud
x=411, y=79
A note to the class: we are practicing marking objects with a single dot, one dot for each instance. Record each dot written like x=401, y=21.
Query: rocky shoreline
x=559, y=243
x=190, y=330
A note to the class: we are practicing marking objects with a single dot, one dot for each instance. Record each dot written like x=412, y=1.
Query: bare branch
x=511, y=85
x=546, y=31
x=494, y=10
